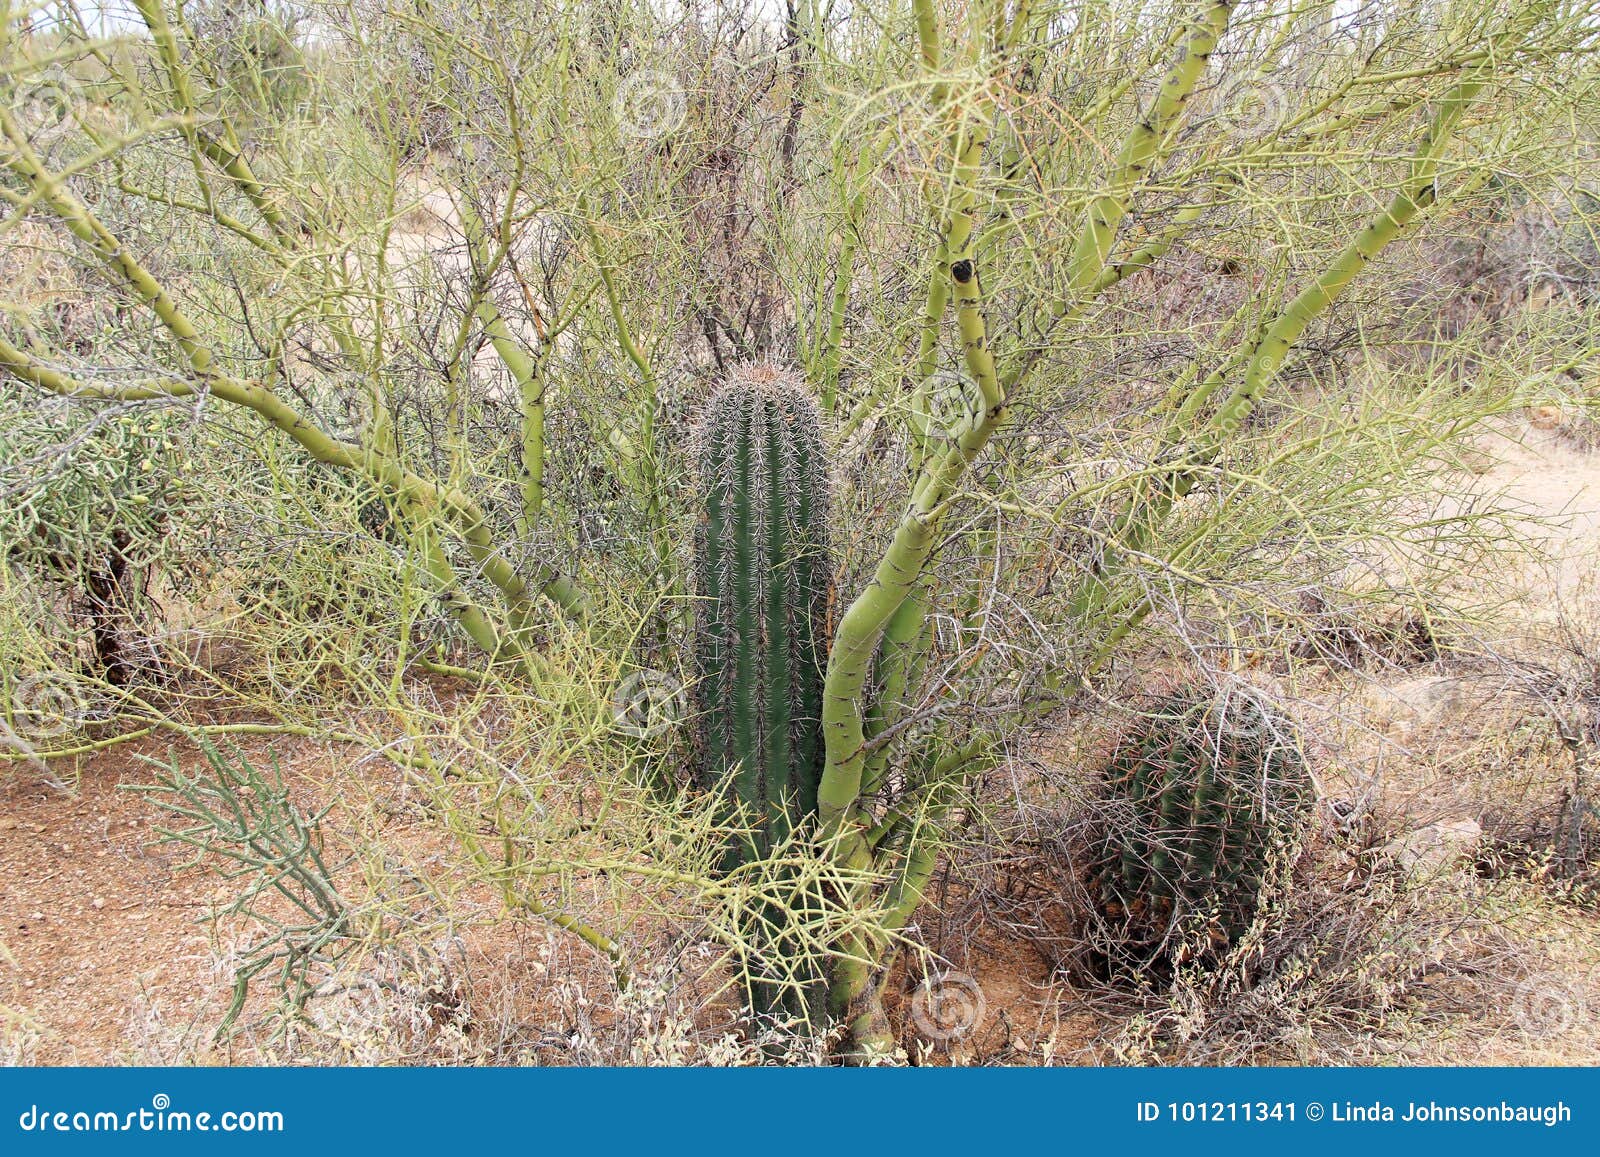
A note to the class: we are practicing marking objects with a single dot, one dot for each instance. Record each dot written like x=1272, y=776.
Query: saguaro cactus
x=763, y=574
x=1203, y=791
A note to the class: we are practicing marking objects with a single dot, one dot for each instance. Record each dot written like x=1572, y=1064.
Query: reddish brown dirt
x=109, y=954
x=107, y=957
x=108, y=950
x=97, y=923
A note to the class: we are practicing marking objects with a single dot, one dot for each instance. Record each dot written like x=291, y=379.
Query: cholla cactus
x=1204, y=791
x=91, y=496
x=763, y=575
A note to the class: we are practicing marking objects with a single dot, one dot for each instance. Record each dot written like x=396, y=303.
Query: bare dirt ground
x=1457, y=755
x=100, y=928
x=110, y=953
x=106, y=955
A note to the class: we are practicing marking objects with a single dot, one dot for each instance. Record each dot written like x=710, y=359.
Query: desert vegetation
x=932, y=531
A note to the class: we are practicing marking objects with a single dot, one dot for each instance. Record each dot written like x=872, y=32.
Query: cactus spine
x=763, y=576
x=1203, y=792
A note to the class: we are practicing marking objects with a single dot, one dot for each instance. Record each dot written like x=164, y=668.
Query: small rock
x=1426, y=850
x=1440, y=708
x=7, y=823
x=1547, y=417
x=1402, y=709
x=98, y=902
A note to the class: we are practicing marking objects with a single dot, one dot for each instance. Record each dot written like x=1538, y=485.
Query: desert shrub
x=1340, y=967
x=98, y=505
x=1349, y=956
x=254, y=53
x=242, y=815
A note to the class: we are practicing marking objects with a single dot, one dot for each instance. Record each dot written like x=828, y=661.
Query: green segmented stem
x=763, y=574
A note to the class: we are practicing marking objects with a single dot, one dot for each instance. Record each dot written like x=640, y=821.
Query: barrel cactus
x=763, y=575
x=1204, y=795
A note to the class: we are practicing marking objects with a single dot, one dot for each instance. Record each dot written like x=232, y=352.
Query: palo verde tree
x=976, y=61
x=1087, y=292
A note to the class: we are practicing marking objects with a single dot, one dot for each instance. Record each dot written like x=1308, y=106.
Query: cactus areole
x=763, y=574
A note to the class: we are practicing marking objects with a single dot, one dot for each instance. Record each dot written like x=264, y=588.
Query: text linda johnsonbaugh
x=1350, y=1112
x=160, y=1117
